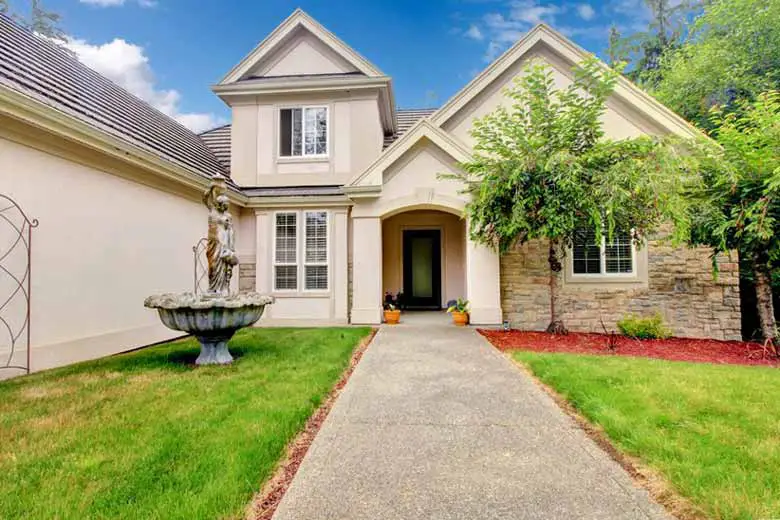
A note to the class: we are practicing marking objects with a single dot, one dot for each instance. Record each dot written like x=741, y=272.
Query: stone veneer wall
x=680, y=285
x=246, y=277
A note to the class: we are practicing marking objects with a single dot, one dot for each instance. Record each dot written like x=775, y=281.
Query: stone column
x=340, y=265
x=366, y=270
x=483, y=284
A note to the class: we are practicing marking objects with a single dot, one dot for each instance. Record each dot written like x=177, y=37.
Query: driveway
x=435, y=423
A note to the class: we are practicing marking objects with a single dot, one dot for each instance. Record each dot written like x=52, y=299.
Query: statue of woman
x=220, y=241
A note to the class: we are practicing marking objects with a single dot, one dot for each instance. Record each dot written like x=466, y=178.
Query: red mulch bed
x=674, y=349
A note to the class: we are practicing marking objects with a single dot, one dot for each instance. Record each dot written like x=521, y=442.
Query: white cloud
x=474, y=33
x=117, y=3
x=586, y=11
x=502, y=30
x=127, y=65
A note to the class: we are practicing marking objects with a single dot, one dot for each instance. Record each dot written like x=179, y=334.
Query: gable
x=631, y=112
x=300, y=46
x=302, y=54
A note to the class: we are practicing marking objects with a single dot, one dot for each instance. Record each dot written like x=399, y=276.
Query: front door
x=422, y=269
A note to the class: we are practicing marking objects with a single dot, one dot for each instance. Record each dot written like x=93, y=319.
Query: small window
x=605, y=258
x=303, y=132
x=306, y=258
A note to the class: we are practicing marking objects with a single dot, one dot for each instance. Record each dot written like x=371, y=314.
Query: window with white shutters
x=604, y=257
x=301, y=250
x=286, y=252
x=315, y=262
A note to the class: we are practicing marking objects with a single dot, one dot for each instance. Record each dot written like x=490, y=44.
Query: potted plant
x=391, y=308
x=460, y=312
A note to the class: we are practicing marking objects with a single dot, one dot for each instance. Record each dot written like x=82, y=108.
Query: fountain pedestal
x=214, y=317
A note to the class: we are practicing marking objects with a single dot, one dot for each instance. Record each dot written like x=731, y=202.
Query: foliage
x=617, y=52
x=644, y=328
x=144, y=435
x=710, y=430
x=732, y=53
x=542, y=168
x=38, y=20
x=738, y=204
x=392, y=301
x=460, y=305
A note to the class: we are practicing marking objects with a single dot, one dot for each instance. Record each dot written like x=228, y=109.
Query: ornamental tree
x=542, y=169
x=738, y=204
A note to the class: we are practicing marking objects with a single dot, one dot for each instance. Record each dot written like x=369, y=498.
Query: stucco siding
x=104, y=243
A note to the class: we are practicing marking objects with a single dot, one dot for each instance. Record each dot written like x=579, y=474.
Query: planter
x=392, y=317
x=460, y=319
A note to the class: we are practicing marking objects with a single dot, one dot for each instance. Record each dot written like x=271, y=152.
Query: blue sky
x=171, y=51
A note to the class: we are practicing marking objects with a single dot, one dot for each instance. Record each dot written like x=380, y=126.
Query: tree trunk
x=764, y=306
x=556, y=326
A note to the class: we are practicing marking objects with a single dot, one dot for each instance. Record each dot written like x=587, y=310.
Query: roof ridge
x=200, y=134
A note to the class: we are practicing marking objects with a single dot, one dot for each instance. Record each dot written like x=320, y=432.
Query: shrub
x=644, y=328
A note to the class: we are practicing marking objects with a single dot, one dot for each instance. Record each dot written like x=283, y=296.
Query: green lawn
x=712, y=430
x=144, y=435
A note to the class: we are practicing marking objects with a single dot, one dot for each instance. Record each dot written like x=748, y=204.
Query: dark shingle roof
x=42, y=70
x=406, y=119
x=218, y=141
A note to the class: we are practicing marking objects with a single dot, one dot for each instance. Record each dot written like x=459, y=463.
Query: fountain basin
x=213, y=320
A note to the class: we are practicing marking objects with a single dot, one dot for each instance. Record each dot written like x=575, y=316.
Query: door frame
x=407, y=233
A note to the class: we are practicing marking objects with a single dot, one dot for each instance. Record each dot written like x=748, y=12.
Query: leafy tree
x=732, y=53
x=738, y=204
x=542, y=170
x=616, y=51
x=39, y=20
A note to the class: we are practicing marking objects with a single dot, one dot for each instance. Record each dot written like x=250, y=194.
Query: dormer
x=307, y=109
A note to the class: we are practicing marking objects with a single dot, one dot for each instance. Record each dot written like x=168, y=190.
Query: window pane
x=297, y=131
x=322, y=131
x=286, y=277
x=586, y=253
x=316, y=277
x=285, y=132
x=618, y=253
x=285, y=247
x=316, y=237
x=309, y=131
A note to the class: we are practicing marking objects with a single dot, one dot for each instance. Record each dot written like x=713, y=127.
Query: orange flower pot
x=392, y=317
x=461, y=319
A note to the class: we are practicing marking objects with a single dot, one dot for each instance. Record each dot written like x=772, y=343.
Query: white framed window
x=303, y=132
x=607, y=258
x=301, y=246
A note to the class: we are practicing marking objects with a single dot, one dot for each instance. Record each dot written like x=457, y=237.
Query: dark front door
x=422, y=269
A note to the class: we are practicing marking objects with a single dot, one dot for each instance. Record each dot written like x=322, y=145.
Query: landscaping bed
x=673, y=349
x=710, y=431
x=148, y=435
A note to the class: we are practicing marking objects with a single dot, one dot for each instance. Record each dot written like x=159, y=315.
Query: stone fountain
x=214, y=316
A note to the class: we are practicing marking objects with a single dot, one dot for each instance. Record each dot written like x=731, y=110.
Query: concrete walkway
x=436, y=424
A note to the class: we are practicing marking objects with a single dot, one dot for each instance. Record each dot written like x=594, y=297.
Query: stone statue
x=220, y=247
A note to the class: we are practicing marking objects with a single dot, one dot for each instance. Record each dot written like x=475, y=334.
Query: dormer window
x=303, y=132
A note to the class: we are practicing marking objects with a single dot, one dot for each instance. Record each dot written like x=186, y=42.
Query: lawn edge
x=263, y=505
x=659, y=488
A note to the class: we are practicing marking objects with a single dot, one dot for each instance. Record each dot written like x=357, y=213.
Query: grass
x=713, y=431
x=144, y=435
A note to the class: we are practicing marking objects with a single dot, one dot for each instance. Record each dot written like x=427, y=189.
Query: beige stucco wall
x=303, y=53
x=104, y=243
x=453, y=260
x=355, y=138
x=620, y=120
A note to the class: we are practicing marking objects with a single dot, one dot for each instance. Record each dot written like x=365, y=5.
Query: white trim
x=299, y=19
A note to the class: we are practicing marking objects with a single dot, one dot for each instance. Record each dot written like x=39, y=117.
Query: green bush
x=644, y=328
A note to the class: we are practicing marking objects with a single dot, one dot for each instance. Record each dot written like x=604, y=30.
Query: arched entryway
x=424, y=257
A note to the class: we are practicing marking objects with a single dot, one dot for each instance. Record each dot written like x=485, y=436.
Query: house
x=334, y=190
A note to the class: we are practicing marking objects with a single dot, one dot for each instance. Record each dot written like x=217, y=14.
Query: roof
x=42, y=70
x=218, y=139
x=293, y=191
